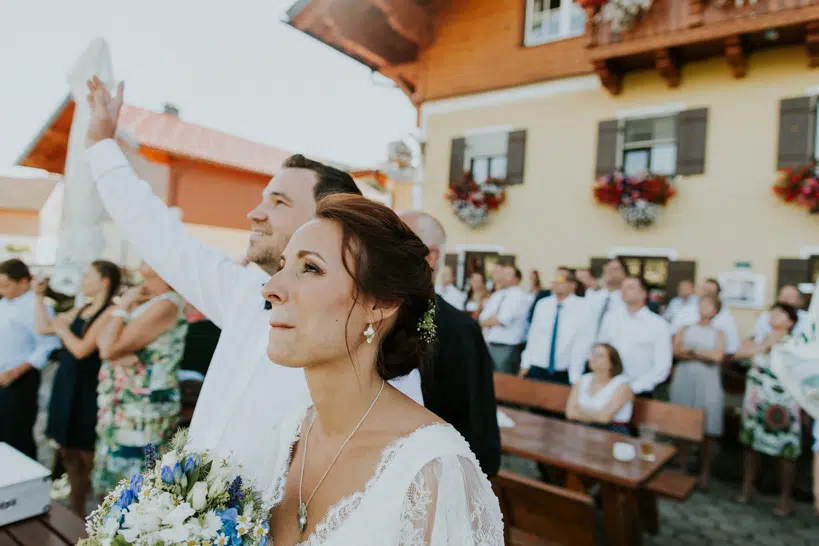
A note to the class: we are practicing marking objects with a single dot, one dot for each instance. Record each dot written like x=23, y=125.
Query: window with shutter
x=515, y=157
x=451, y=260
x=456, y=161
x=677, y=272
x=692, y=127
x=797, y=131
x=506, y=259
x=596, y=266
x=793, y=271
x=607, y=137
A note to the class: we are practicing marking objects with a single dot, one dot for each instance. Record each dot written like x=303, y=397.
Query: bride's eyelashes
x=310, y=268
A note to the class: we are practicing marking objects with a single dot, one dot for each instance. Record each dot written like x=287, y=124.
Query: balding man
x=791, y=295
x=457, y=382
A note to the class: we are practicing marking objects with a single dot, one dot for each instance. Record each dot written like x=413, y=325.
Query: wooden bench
x=537, y=514
x=671, y=420
x=60, y=527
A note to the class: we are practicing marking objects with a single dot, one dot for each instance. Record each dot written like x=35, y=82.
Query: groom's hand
x=104, y=111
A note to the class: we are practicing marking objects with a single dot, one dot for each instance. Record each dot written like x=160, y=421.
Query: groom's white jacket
x=244, y=394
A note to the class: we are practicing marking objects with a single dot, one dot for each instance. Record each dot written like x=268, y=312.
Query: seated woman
x=602, y=397
x=139, y=399
x=771, y=422
x=697, y=381
x=72, y=413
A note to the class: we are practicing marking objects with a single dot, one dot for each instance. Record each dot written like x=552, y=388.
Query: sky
x=234, y=66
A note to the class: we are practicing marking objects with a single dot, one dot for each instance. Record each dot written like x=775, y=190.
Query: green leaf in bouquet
x=120, y=541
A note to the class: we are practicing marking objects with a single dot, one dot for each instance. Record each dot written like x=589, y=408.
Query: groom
x=244, y=394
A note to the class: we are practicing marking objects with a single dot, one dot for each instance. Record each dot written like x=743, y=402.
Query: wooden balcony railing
x=701, y=28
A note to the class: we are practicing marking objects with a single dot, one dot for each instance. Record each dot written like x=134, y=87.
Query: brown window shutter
x=596, y=266
x=516, y=157
x=792, y=271
x=451, y=260
x=506, y=259
x=607, y=133
x=692, y=127
x=456, y=161
x=678, y=272
x=797, y=124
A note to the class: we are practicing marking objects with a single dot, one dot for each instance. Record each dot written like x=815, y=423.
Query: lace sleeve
x=450, y=501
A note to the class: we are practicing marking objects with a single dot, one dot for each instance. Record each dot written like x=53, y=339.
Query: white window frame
x=622, y=147
x=530, y=39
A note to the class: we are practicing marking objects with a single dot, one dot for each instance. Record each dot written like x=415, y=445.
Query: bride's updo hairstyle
x=389, y=265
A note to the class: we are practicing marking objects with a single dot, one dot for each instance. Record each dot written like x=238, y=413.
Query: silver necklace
x=302, y=513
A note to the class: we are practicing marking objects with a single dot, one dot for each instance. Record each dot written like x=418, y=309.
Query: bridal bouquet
x=185, y=499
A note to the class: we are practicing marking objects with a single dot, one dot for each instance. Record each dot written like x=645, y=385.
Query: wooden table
x=586, y=452
x=60, y=527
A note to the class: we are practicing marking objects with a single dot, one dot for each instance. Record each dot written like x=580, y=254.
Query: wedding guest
x=447, y=289
x=642, y=339
x=690, y=314
x=139, y=399
x=602, y=397
x=477, y=295
x=72, y=413
x=457, y=381
x=685, y=296
x=771, y=417
x=586, y=282
x=788, y=294
x=553, y=352
x=697, y=380
x=23, y=353
x=608, y=299
x=240, y=378
x=350, y=306
x=504, y=318
x=534, y=282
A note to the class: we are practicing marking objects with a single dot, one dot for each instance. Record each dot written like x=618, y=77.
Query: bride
x=364, y=464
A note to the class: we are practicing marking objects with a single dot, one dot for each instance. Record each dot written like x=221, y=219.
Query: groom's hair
x=330, y=179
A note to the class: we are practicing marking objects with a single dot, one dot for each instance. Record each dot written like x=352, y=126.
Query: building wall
x=729, y=214
x=19, y=222
x=480, y=47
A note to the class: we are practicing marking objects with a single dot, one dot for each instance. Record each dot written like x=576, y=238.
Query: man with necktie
x=552, y=351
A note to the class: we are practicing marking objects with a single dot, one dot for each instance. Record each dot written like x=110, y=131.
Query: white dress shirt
x=452, y=296
x=762, y=327
x=643, y=340
x=244, y=394
x=19, y=341
x=569, y=355
x=601, y=305
x=724, y=321
x=677, y=304
x=511, y=307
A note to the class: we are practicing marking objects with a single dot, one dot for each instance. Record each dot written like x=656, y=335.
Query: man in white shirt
x=788, y=294
x=685, y=296
x=447, y=290
x=504, y=318
x=608, y=298
x=23, y=353
x=553, y=351
x=642, y=338
x=724, y=321
x=244, y=394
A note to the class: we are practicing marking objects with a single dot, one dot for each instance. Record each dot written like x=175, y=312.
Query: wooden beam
x=667, y=65
x=736, y=56
x=409, y=19
x=610, y=78
x=362, y=28
x=812, y=43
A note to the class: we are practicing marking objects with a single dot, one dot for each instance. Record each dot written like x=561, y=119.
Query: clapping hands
x=105, y=111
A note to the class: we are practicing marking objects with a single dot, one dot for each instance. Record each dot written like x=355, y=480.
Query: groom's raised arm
x=204, y=276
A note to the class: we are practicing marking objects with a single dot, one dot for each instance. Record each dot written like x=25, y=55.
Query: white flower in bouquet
x=185, y=498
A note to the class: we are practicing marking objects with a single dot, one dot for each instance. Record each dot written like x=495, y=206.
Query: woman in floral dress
x=770, y=416
x=139, y=398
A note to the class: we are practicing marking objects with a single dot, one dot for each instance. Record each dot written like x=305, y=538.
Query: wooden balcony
x=673, y=32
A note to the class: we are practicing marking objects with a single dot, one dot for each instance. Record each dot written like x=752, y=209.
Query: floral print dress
x=138, y=404
x=770, y=416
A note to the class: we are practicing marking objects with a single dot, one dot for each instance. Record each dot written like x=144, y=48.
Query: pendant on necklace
x=302, y=514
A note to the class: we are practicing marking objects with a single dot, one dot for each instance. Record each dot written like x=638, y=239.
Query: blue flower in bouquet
x=167, y=475
x=235, y=492
x=150, y=457
x=191, y=463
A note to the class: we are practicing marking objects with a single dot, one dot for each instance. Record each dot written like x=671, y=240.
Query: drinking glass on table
x=648, y=434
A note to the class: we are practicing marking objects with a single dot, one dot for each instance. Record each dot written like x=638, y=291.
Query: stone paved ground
x=713, y=518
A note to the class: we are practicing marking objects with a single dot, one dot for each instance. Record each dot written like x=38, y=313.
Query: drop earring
x=369, y=333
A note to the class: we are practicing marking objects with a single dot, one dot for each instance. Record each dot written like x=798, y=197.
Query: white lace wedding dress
x=427, y=490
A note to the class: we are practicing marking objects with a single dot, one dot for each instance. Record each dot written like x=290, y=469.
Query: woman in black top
x=72, y=415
